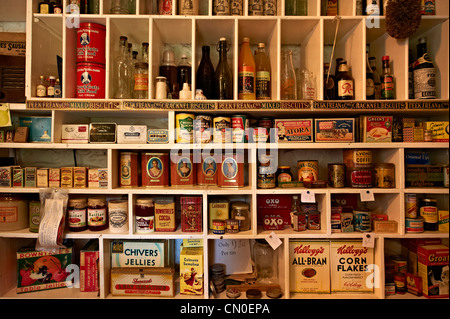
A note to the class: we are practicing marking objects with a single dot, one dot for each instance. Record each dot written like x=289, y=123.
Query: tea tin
x=128, y=169
x=184, y=127
x=154, y=169
x=336, y=175
x=231, y=171
x=182, y=170
x=308, y=171
x=207, y=170
x=384, y=175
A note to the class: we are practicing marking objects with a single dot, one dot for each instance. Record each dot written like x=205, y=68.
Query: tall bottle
x=246, y=72
x=329, y=83
x=184, y=71
x=410, y=76
x=336, y=71
x=370, y=83
x=424, y=73
x=168, y=69
x=205, y=75
x=263, y=73
x=144, y=52
x=223, y=74
x=122, y=71
x=376, y=77
x=345, y=83
x=295, y=208
x=387, y=81
x=288, y=80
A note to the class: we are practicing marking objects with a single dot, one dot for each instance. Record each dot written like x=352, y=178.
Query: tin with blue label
x=362, y=220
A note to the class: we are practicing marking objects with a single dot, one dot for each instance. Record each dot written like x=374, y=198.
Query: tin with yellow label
x=184, y=127
x=222, y=130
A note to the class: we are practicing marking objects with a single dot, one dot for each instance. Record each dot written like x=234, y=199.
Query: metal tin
x=202, y=129
x=384, y=175
x=155, y=169
x=362, y=220
x=13, y=212
x=102, y=132
x=128, y=169
x=308, y=171
x=232, y=226
x=222, y=130
x=218, y=226
x=91, y=39
x=255, y=7
x=336, y=175
x=165, y=216
x=90, y=80
x=400, y=283
x=314, y=220
x=184, y=127
x=270, y=7
x=207, y=170
x=411, y=206
x=414, y=225
x=359, y=177
x=357, y=158
x=191, y=213
x=165, y=7
x=400, y=264
x=221, y=8
x=236, y=7
x=34, y=209
x=299, y=221
x=231, y=171
x=182, y=170
x=239, y=125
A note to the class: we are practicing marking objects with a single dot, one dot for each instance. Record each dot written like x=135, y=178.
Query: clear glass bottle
x=307, y=86
x=184, y=71
x=140, y=90
x=370, y=83
x=263, y=73
x=240, y=212
x=387, y=81
x=168, y=69
x=376, y=77
x=223, y=74
x=122, y=71
x=295, y=207
x=246, y=72
x=41, y=88
x=288, y=83
x=144, y=52
x=266, y=262
x=119, y=7
x=296, y=7
x=205, y=75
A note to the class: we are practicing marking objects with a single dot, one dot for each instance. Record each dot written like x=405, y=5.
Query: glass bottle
x=387, y=81
x=132, y=61
x=161, y=88
x=288, y=83
x=345, y=82
x=223, y=74
x=240, y=212
x=144, y=216
x=246, y=72
x=168, y=69
x=370, y=83
x=51, y=86
x=77, y=214
x=94, y=6
x=329, y=84
x=295, y=208
x=140, y=90
x=307, y=86
x=376, y=78
x=58, y=92
x=41, y=88
x=266, y=262
x=97, y=214
x=424, y=73
x=205, y=75
x=119, y=7
x=57, y=7
x=144, y=52
x=330, y=7
x=122, y=71
x=296, y=7
x=263, y=73
x=45, y=7
x=336, y=71
x=410, y=76
x=184, y=70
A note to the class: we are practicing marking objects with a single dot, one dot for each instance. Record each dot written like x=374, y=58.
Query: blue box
x=40, y=128
x=417, y=158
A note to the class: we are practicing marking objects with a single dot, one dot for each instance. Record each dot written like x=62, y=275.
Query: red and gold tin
x=232, y=226
x=219, y=226
x=308, y=171
x=231, y=171
x=90, y=80
x=155, y=169
x=384, y=175
x=191, y=213
x=207, y=170
x=182, y=170
x=357, y=158
x=91, y=39
x=128, y=169
x=359, y=177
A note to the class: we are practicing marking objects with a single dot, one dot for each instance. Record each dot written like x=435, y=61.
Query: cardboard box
x=376, y=128
x=89, y=268
x=132, y=134
x=5, y=176
x=75, y=133
x=443, y=220
x=42, y=177
x=18, y=177
x=79, y=177
x=54, y=177
x=40, y=128
x=93, y=178
x=191, y=271
x=294, y=130
x=139, y=253
x=439, y=130
x=30, y=176
x=13, y=44
x=66, y=177
x=334, y=130
x=103, y=178
x=434, y=270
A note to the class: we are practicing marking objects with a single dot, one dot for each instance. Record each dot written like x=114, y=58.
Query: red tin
x=90, y=80
x=207, y=170
x=182, y=170
x=231, y=171
x=91, y=43
x=155, y=169
x=273, y=222
x=191, y=213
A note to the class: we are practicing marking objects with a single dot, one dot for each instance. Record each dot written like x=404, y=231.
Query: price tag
x=308, y=197
x=367, y=196
x=368, y=240
x=273, y=240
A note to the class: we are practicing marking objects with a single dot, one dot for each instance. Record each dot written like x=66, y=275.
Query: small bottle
x=205, y=75
x=168, y=69
x=345, y=83
x=41, y=88
x=223, y=74
x=77, y=214
x=184, y=71
x=376, y=77
x=186, y=93
x=57, y=7
x=97, y=214
x=387, y=81
x=51, y=86
x=161, y=88
x=329, y=84
x=263, y=74
x=45, y=7
x=58, y=92
x=370, y=83
x=144, y=52
x=288, y=79
x=140, y=81
x=307, y=86
x=295, y=208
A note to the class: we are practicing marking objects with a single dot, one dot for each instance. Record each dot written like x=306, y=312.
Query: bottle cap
x=246, y=39
x=168, y=58
x=385, y=58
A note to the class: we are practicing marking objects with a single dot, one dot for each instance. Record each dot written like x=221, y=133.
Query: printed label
x=246, y=79
x=96, y=217
x=345, y=88
x=77, y=217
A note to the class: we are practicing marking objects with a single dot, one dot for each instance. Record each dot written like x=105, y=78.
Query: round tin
x=384, y=175
x=336, y=175
x=362, y=220
x=359, y=177
x=400, y=283
x=91, y=39
x=90, y=80
x=233, y=293
x=239, y=124
x=207, y=170
x=231, y=171
x=414, y=225
x=253, y=294
x=128, y=169
x=357, y=158
x=202, y=129
x=184, y=127
x=232, y=226
x=400, y=264
x=274, y=293
x=222, y=130
x=218, y=226
x=314, y=220
x=154, y=168
x=182, y=170
x=299, y=221
x=308, y=171
x=411, y=206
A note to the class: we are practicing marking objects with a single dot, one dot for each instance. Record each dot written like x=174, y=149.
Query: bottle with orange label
x=246, y=72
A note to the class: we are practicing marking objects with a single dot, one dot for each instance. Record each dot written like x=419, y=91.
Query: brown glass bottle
x=329, y=84
x=205, y=75
x=344, y=82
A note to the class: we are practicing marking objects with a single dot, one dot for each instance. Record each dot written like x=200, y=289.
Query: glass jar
x=118, y=215
x=140, y=89
x=240, y=212
x=97, y=214
x=284, y=174
x=266, y=262
x=77, y=214
x=429, y=212
x=119, y=7
x=144, y=216
x=161, y=88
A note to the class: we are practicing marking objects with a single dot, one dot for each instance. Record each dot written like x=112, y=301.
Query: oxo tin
x=231, y=171
x=155, y=169
x=90, y=80
x=91, y=43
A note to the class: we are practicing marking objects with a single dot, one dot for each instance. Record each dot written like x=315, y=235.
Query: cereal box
x=309, y=266
x=349, y=262
x=434, y=270
x=376, y=128
x=334, y=130
x=439, y=130
x=294, y=130
x=191, y=270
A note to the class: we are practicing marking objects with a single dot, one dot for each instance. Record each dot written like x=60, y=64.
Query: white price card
x=273, y=240
x=308, y=197
x=367, y=195
x=368, y=240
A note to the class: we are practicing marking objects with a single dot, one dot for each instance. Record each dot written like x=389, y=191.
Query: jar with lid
x=13, y=212
x=97, y=214
x=240, y=212
x=77, y=214
x=266, y=262
x=266, y=171
x=161, y=88
x=144, y=212
x=140, y=88
x=284, y=174
x=428, y=210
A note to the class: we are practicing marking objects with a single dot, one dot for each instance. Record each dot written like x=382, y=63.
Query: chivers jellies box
x=309, y=268
x=349, y=261
x=140, y=253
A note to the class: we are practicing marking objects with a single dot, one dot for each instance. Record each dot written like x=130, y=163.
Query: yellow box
x=193, y=242
x=42, y=177
x=443, y=220
x=439, y=130
x=66, y=177
x=191, y=271
x=218, y=209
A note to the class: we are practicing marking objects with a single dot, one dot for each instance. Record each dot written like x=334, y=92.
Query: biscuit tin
x=90, y=80
x=184, y=128
x=295, y=130
x=222, y=130
x=439, y=130
x=424, y=176
x=102, y=132
x=376, y=128
x=158, y=136
x=132, y=134
x=207, y=170
x=203, y=129
x=334, y=130
x=91, y=42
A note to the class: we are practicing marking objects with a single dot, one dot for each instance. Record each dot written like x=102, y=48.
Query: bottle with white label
x=41, y=88
x=345, y=82
x=424, y=73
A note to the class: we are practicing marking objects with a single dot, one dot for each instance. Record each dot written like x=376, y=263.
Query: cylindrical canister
x=400, y=283
x=400, y=264
x=203, y=129
x=165, y=7
x=91, y=39
x=182, y=169
x=221, y=7
x=231, y=171
x=314, y=220
x=155, y=169
x=34, y=210
x=236, y=7
x=411, y=206
x=308, y=171
x=232, y=226
x=362, y=220
x=239, y=124
x=414, y=225
x=222, y=129
x=359, y=177
x=128, y=169
x=184, y=127
x=118, y=215
x=13, y=212
x=90, y=80
x=270, y=7
x=357, y=157
x=384, y=175
x=218, y=226
x=207, y=170
x=336, y=175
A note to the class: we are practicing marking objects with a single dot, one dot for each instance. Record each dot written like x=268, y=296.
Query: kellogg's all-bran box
x=434, y=271
x=309, y=268
x=349, y=262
